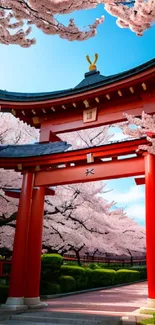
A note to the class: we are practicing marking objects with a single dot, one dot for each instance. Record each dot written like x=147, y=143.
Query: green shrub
x=88, y=278
x=67, y=283
x=50, y=267
x=94, y=266
x=70, y=270
x=4, y=280
x=88, y=274
x=78, y=273
x=49, y=288
x=52, y=260
x=7, y=268
x=49, y=275
x=3, y=293
x=125, y=276
x=72, y=263
x=142, y=270
x=147, y=321
x=113, y=266
x=102, y=278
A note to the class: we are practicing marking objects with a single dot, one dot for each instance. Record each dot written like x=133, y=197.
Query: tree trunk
x=78, y=257
x=131, y=260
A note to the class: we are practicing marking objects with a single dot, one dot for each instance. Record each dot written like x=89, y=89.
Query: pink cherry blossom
x=17, y=18
x=143, y=126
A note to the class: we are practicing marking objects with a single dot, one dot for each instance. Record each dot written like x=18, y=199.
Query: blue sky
x=125, y=192
x=54, y=64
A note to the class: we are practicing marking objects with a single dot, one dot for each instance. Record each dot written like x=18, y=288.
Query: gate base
x=35, y=303
x=13, y=303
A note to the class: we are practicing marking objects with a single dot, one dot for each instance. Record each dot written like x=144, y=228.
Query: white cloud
x=118, y=136
x=136, y=212
x=134, y=193
x=132, y=200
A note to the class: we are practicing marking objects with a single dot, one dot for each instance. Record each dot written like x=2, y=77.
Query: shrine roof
x=93, y=79
x=54, y=155
x=32, y=150
x=15, y=192
x=11, y=189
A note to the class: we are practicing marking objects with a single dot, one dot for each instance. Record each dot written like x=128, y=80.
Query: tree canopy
x=18, y=16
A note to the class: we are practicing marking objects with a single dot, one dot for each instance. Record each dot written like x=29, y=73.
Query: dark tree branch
x=5, y=221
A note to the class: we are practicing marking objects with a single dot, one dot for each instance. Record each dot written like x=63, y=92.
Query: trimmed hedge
x=49, y=288
x=102, y=278
x=88, y=274
x=113, y=266
x=78, y=273
x=87, y=278
x=142, y=270
x=67, y=283
x=50, y=267
x=94, y=266
x=3, y=293
x=72, y=270
x=125, y=276
x=52, y=260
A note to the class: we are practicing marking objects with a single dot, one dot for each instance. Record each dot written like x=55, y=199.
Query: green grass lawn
x=148, y=321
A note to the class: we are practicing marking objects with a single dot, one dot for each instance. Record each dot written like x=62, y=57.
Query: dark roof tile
x=32, y=150
x=92, y=80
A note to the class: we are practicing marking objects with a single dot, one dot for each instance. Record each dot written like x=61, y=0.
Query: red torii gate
x=96, y=101
x=89, y=165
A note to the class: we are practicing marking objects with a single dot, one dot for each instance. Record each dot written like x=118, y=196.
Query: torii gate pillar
x=33, y=263
x=16, y=291
x=150, y=227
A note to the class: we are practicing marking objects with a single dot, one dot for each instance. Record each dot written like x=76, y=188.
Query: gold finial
x=92, y=65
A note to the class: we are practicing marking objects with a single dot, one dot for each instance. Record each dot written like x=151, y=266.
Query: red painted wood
x=107, y=114
x=20, y=241
x=100, y=171
x=48, y=191
x=33, y=263
x=1, y=268
x=140, y=181
x=147, y=75
x=111, y=112
x=109, y=150
x=15, y=195
x=150, y=222
x=52, y=137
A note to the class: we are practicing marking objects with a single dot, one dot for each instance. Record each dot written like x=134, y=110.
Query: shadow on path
x=113, y=301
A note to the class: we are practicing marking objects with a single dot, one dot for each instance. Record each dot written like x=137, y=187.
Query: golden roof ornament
x=92, y=65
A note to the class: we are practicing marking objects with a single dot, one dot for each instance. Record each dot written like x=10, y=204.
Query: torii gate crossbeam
x=91, y=172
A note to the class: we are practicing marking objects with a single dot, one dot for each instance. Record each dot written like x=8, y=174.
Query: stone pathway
x=117, y=301
x=94, y=308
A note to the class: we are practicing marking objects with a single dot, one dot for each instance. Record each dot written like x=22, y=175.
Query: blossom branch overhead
x=143, y=126
x=138, y=15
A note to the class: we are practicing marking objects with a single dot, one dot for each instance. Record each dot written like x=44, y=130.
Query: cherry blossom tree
x=87, y=223
x=143, y=126
x=77, y=219
x=138, y=15
x=12, y=131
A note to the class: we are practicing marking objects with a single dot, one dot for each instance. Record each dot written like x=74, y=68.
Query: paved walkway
x=118, y=301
